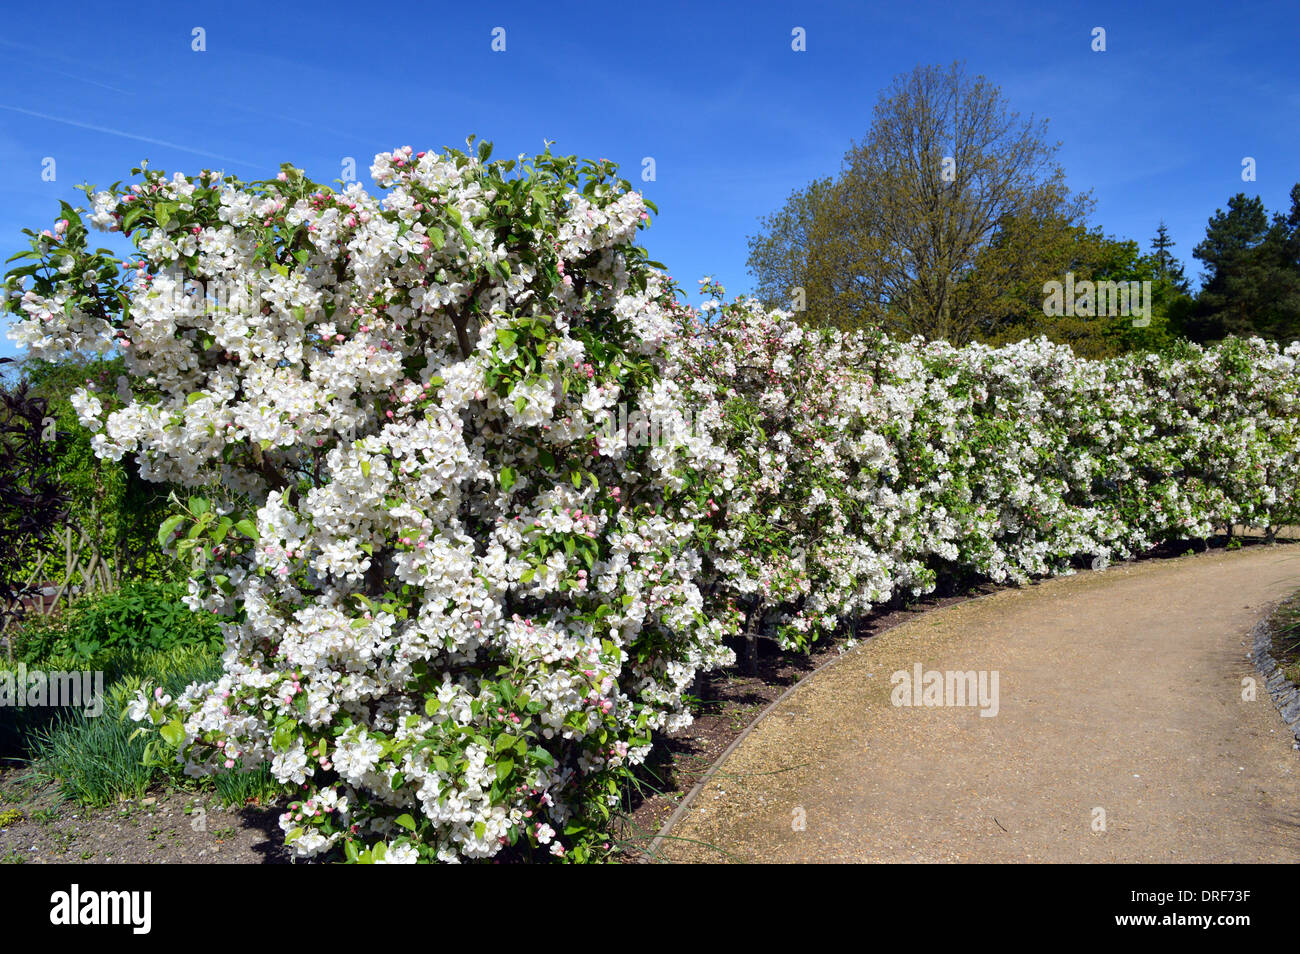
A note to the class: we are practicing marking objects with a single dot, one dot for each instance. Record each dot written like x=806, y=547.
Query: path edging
x=698, y=787
x=1285, y=694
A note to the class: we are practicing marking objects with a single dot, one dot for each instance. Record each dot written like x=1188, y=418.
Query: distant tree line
x=952, y=216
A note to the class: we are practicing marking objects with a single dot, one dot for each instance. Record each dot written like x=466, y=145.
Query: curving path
x=1119, y=690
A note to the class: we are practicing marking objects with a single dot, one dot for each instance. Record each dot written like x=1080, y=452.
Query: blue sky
x=1156, y=126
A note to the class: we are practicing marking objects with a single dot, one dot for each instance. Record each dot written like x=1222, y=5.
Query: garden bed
x=39, y=826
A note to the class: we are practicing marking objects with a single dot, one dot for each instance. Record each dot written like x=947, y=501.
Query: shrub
x=458, y=604
x=138, y=617
x=869, y=467
x=33, y=496
x=118, y=511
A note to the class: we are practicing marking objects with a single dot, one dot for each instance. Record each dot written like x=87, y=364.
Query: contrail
x=82, y=79
x=46, y=57
x=127, y=135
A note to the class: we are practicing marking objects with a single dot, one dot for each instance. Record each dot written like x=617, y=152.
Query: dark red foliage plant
x=33, y=499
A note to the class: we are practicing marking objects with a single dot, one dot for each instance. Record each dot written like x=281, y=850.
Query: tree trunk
x=751, y=639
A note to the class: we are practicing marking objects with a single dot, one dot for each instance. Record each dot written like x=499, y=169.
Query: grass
x=123, y=672
x=96, y=761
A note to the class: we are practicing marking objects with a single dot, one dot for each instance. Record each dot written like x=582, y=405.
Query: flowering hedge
x=493, y=497
x=868, y=467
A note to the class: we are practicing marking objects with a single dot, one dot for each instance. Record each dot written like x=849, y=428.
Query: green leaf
x=247, y=528
x=131, y=216
x=168, y=528
x=282, y=738
x=405, y=821
x=173, y=732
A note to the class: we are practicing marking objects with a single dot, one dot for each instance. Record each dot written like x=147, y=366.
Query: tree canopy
x=932, y=215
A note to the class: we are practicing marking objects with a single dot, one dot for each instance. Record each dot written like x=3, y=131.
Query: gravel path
x=1120, y=734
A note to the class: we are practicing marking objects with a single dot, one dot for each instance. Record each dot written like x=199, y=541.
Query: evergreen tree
x=1168, y=268
x=1252, y=280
